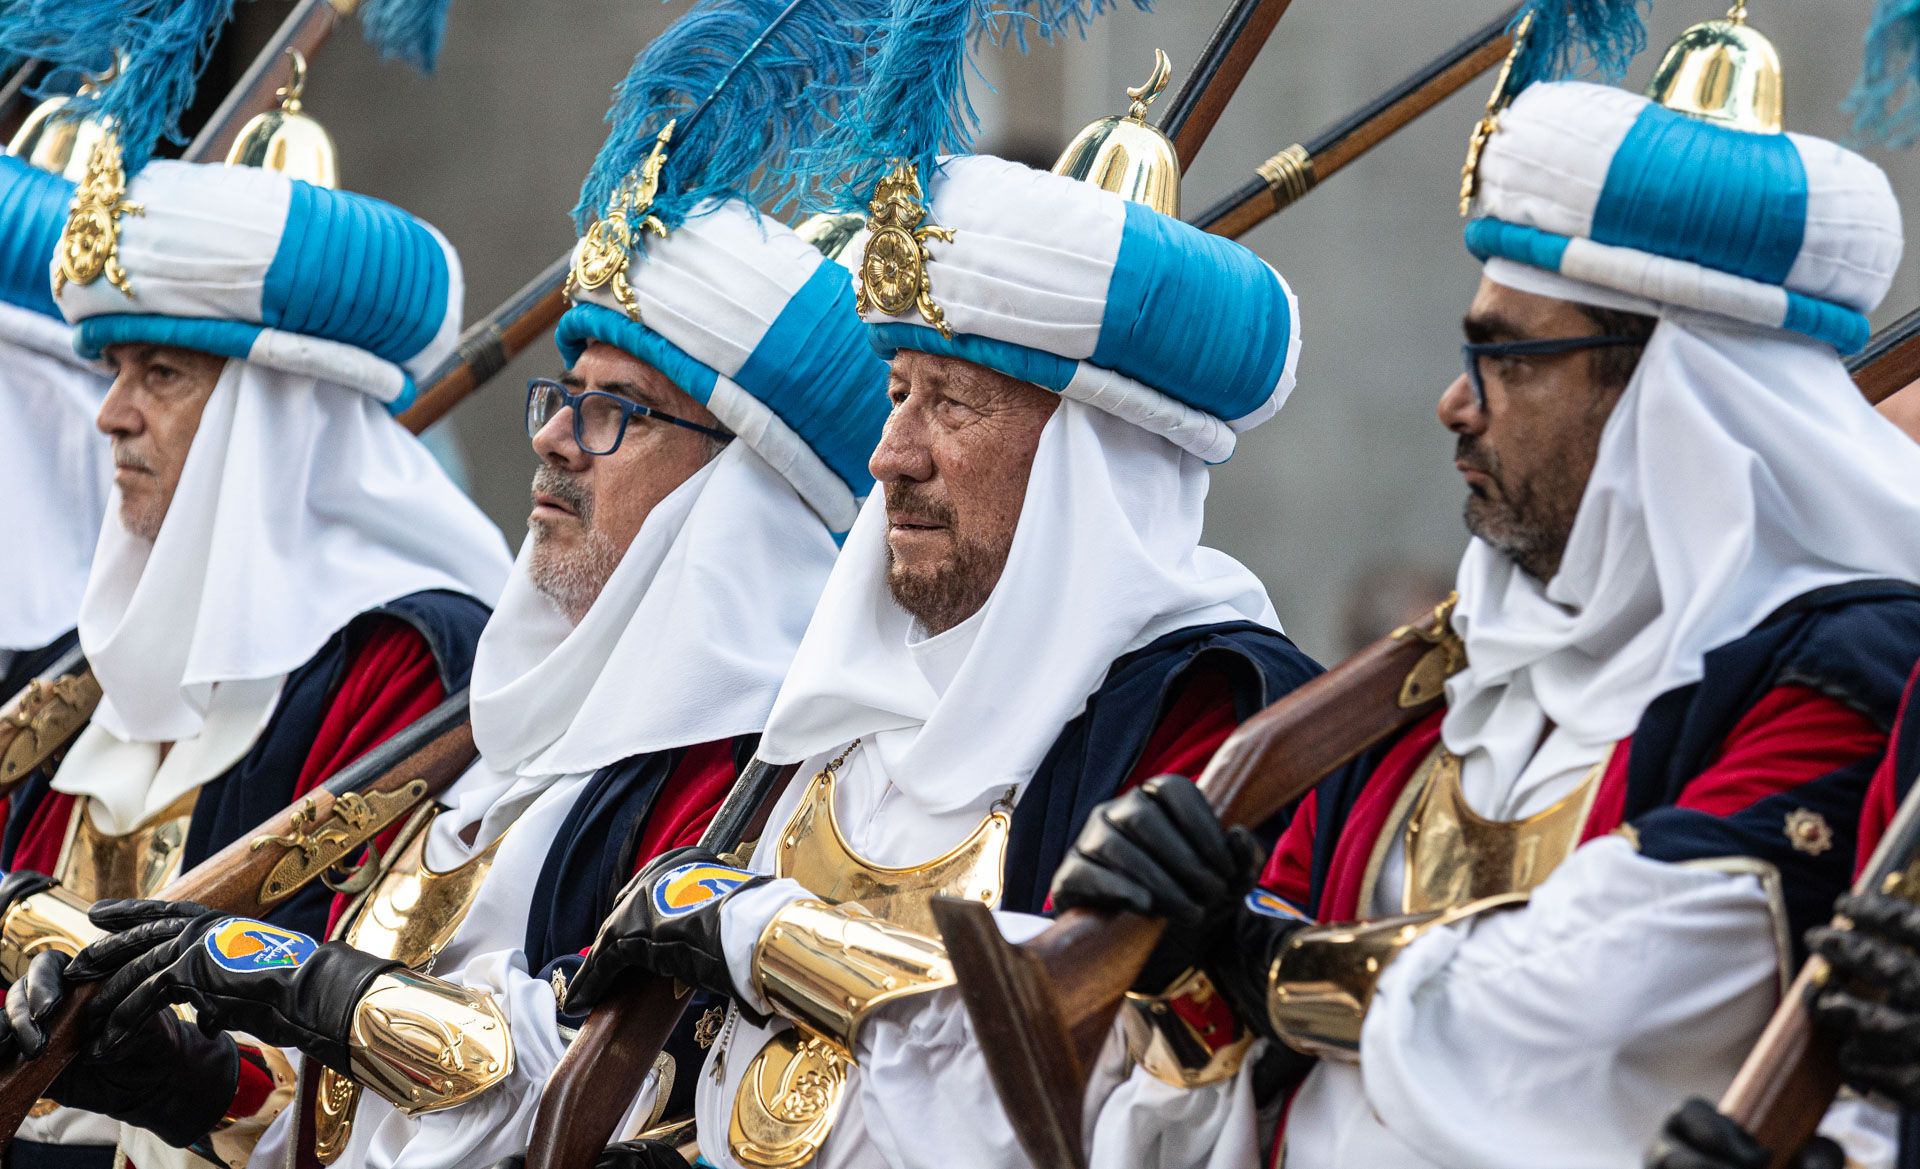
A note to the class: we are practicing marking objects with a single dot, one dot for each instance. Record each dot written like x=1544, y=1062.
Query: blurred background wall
x=1347, y=504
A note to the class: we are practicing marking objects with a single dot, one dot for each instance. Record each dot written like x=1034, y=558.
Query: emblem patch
x=1268, y=904
x=246, y=946
x=691, y=886
x=1808, y=831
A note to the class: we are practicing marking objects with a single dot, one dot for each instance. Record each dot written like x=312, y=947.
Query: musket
x=1041, y=1010
x=14, y=105
x=1789, y=1078
x=489, y=344
x=305, y=29
x=1890, y=361
x=1238, y=39
x=1286, y=178
x=265, y=867
x=604, y=1066
x=44, y=717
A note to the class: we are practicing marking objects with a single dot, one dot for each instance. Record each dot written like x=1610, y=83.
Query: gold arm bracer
x=425, y=1044
x=828, y=967
x=1167, y=1034
x=52, y=919
x=1323, y=980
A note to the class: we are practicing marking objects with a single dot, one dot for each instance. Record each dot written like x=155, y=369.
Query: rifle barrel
x=1286, y=178
x=1241, y=34
x=14, y=104
x=489, y=344
x=1890, y=361
x=306, y=28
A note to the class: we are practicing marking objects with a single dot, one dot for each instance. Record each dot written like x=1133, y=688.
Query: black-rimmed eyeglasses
x=599, y=418
x=1544, y=347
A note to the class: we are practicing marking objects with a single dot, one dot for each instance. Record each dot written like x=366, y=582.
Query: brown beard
x=953, y=591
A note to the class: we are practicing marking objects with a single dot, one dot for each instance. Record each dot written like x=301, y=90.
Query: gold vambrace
x=52, y=919
x=1185, y=1035
x=1323, y=980
x=425, y=1044
x=827, y=967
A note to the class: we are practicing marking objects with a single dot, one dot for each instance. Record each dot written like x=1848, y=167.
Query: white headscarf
x=1106, y=558
x=55, y=471
x=686, y=644
x=1740, y=469
x=302, y=504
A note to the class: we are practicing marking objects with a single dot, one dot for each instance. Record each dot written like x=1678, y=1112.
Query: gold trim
x=90, y=242
x=52, y=919
x=425, y=1044
x=606, y=251
x=1427, y=680
x=1489, y=123
x=1170, y=1048
x=1775, y=890
x=326, y=828
x=787, y=1102
x=95, y=866
x=42, y=720
x=828, y=967
x=893, y=269
x=1289, y=175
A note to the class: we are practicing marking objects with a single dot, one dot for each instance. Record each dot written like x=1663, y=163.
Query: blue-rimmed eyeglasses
x=599, y=418
x=1544, y=347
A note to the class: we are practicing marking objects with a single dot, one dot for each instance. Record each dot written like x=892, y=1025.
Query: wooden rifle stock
x=1241, y=34
x=1285, y=179
x=1789, y=1079
x=489, y=344
x=305, y=29
x=247, y=876
x=1890, y=361
x=1069, y=981
x=604, y=1066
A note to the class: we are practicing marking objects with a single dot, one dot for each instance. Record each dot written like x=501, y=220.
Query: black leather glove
x=167, y=1077
x=1697, y=1136
x=1872, y=1002
x=624, y=1155
x=20, y=885
x=239, y=974
x=667, y=922
x=1160, y=851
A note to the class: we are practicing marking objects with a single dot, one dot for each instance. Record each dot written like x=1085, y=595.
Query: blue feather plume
x=1577, y=37
x=914, y=105
x=166, y=45
x=750, y=82
x=1892, y=65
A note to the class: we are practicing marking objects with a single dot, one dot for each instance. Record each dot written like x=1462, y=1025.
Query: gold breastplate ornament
x=791, y=1093
x=410, y=914
x=1455, y=856
x=96, y=866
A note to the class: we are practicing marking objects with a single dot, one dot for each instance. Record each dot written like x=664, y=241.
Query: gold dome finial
x=287, y=139
x=1127, y=156
x=63, y=145
x=1723, y=71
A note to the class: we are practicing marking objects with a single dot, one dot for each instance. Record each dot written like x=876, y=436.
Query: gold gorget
x=791, y=1093
x=410, y=915
x=95, y=866
x=1455, y=856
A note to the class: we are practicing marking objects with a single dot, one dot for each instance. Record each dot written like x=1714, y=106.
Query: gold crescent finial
x=289, y=94
x=1738, y=13
x=1144, y=93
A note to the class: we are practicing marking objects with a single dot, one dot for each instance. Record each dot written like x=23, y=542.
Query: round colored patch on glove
x=245, y=946
x=692, y=886
x=1273, y=905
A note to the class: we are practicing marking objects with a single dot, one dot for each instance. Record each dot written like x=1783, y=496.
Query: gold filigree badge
x=893, y=273
x=90, y=244
x=1808, y=831
x=607, y=249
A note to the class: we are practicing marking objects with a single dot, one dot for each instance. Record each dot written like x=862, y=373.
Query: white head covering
x=1740, y=469
x=55, y=471
x=686, y=644
x=302, y=504
x=1106, y=558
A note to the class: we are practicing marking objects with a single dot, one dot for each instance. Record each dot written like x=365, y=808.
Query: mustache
x=1469, y=453
x=911, y=497
x=126, y=457
x=566, y=488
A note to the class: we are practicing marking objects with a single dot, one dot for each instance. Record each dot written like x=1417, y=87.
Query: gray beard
x=573, y=581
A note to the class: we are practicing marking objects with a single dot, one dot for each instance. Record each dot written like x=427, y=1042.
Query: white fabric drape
x=686, y=644
x=1740, y=469
x=55, y=472
x=301, y=505
x=1106, y=558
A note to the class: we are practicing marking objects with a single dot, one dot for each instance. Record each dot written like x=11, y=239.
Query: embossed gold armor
x=94, y=866
x=53, y=919
x=1173, y=1050
x=792, y=1089
x=426, y=1044
x=410, y=914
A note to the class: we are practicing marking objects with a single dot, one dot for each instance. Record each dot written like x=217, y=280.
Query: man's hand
x=1698, y=1137
x=166, y=1077
x=667, y=923
x=1160, y=851
x=1871, y=1004
x=239, y=974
